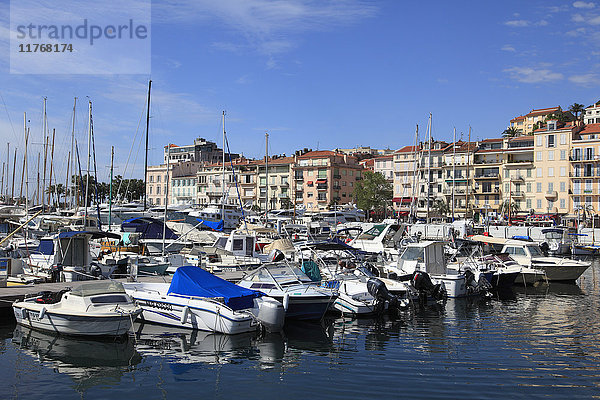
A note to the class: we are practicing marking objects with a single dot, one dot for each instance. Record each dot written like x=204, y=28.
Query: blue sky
x=318, y=74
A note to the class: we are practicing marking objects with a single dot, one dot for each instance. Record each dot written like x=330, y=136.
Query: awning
x=321, y=180
x=309, y=183
x=402, y=200
x=93, y=234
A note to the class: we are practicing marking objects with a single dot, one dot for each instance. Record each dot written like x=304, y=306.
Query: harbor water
x=526, y=343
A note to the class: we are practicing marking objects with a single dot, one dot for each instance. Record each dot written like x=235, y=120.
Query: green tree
x=577, y=110
x=441, y=207
x=510, y=132
x=373, y=192
x=508, y=206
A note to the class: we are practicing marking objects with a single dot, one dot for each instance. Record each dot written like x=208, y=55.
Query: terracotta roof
x=519, y=148
x=386, y=157
x=320, y=153
x=590, y=128
x=542, y=111
x=408, y=149
x=519, y=118
x=519, y=138
x=491, y=140
x=490, y=151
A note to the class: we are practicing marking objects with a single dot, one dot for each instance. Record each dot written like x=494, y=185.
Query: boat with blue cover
x=197, y=299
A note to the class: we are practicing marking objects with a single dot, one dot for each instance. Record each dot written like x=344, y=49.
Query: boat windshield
x=553, y=235
x=535, y=251
x=372, y=233
x=102, y=287
x=413, y=253
x=282, y=274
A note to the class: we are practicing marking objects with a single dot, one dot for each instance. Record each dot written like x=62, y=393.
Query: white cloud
x=508, y=47
x=583, y=4
x=541, y=23
x=533, y=75
x=517, y=23
x=585, y=79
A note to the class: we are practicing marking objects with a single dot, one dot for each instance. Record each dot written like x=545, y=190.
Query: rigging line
x=129, y=181
x=235, y=180
x=131, y=149
x=95, y=175
x=9, y=120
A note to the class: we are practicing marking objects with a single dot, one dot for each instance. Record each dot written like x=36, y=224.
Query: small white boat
x=196, y=299
x=301, y=297
x=93, y=309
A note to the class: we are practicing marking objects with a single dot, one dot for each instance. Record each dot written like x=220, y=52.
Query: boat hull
x=80, y=325
x=563, y=273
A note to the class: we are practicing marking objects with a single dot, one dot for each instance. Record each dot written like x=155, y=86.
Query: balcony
x=517, y=194
x=487, y=191
x=456, y=191
x=588, y=191
x=518, y=163
x=519, y=178
x=299, y=177
x=551, y=195
x=337, y=176
x=321, y=187
x=487, y=176
x=338, y=187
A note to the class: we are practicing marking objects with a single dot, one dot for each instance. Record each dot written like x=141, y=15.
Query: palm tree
x=577, y=109
x=441, y=207
x=510, y=132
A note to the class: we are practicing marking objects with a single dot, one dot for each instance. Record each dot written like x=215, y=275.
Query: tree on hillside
x=510, y=132
x=577, y=109
x=373, y=192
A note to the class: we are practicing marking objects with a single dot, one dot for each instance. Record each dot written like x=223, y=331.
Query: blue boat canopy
x=196, y=282
x=150, y=228
x=215, y=226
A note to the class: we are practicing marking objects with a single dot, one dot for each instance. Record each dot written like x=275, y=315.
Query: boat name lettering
x=157, y=304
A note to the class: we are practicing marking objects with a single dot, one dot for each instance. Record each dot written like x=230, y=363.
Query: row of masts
x=417, y=166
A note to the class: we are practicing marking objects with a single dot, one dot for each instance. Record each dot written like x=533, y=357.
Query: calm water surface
x=528, y=343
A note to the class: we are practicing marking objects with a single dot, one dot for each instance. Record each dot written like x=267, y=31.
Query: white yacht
x=529, y=254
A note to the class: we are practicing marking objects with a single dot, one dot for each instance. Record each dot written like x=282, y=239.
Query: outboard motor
x=481, y=287
x=380, y=292
x=422, y=282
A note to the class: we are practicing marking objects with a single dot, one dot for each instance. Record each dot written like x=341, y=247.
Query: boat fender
x=286, y=301
x=42, y=313
x=184, y=315
x=23, y=313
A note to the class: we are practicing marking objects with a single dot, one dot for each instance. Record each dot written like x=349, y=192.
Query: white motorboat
x=196, y=299
x=428, y=257
x=301, y=297
x=529, y=254
x=93, y=309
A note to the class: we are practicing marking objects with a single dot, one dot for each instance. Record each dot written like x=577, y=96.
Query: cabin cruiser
x=529, y=254
x=151, y=232
x=93, y=309
x=197, y=299
x=382, y=239
x=360, y=291
x=428, y=257
x=214, y=214
x=301, y=297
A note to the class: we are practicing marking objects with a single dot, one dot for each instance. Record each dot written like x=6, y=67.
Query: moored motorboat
x=93, y=309
x=196, y=299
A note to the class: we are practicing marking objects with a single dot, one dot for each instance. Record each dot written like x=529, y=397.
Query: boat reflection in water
x=87, y=362
x=183, y=346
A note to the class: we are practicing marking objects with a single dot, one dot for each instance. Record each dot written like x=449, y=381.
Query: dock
x=10, y=294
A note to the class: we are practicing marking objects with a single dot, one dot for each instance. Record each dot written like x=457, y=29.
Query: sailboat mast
x=71, y=155
x=87, y=175
x=44, y=128
x=468, y=168
x=146, y=157
x=428, y=169
x=12, y=191
x=223, y=199
x=453, y=170
x=414, y=192
x=266, y=178
x=112, y=158
x=164, y=232
x=7, y=169
x=26, y=170
x=51, y=169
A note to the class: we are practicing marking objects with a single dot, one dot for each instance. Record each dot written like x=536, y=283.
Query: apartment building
x=526, y=123
x=326, y=177
x=277, y=184
x=156, y=186
x=431, y=175
x=406, y=162
x=585, y=169
x=385, y=166
x=183, y=188
x=591, y=115
x=518, y=180
x=213, y=184
x=552, y=166
x=201, y=150
x=488, y=158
